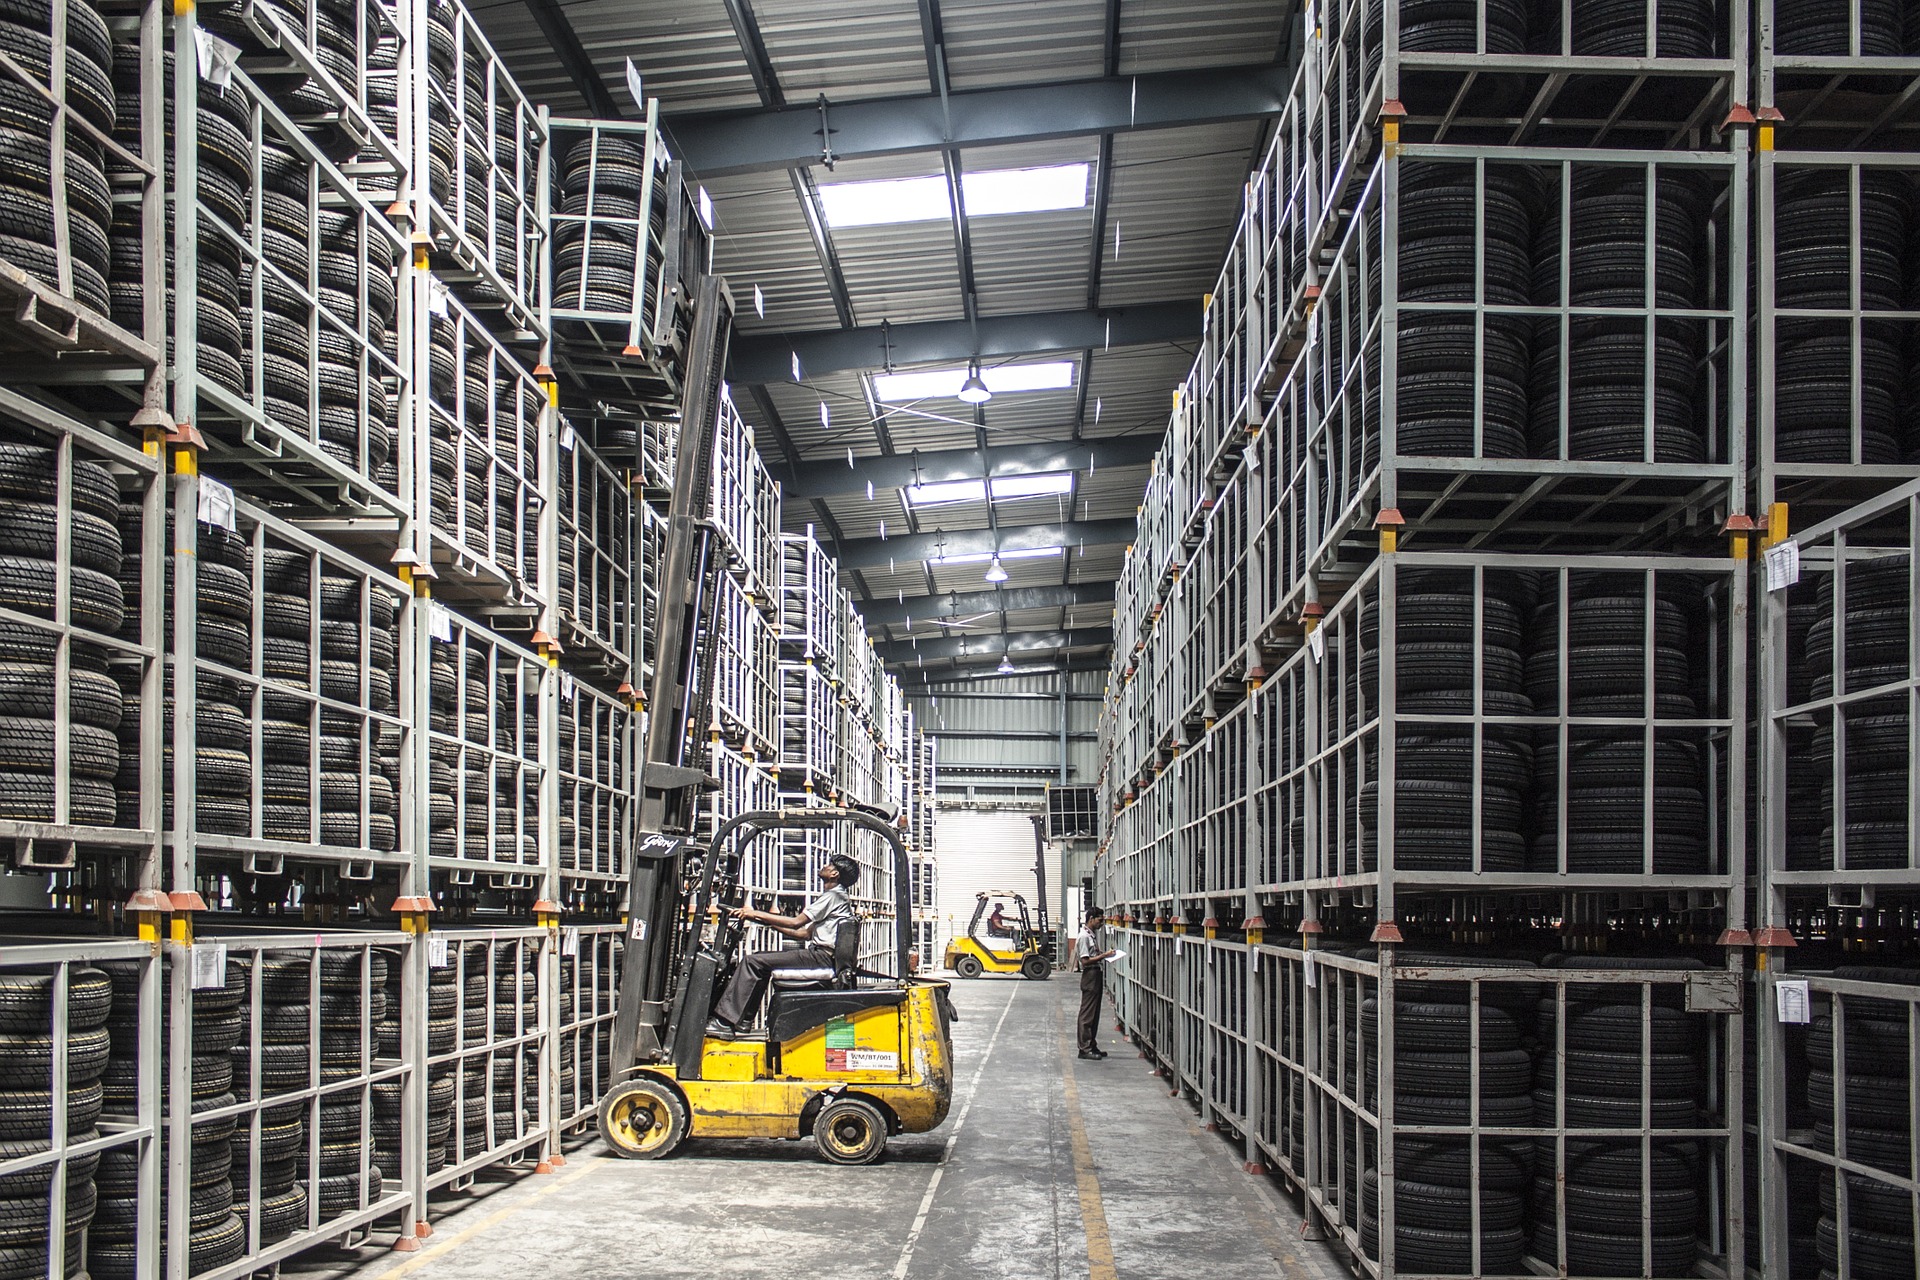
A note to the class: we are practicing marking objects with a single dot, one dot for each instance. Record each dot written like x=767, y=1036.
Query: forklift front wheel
x=850, y=1131
x=967, y=966
x=643, y=1119
x=1036, y=966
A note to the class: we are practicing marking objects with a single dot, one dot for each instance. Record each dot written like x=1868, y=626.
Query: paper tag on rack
x=639, y=931
x=1317, y=643
x=635, y=87
x=437, y=294
x=569, y=942
x=216, y=58
x=566, y=687
x=1796, y=1005
x=439, y=621
x=216, y=504
x=1783, y=565
x=566, y=435
x=209, y=965
x=1312, y=971
x=436, y=951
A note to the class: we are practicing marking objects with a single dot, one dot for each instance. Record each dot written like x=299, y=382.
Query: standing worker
x=1093, y=956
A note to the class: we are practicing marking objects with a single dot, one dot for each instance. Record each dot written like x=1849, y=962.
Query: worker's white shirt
x=828, y=913
x=1087, y=944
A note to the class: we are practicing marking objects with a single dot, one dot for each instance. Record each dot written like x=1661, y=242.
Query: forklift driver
x=815, y=929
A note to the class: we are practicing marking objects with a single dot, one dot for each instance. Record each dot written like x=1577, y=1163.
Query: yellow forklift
x=847, y=1056
x=997, y=942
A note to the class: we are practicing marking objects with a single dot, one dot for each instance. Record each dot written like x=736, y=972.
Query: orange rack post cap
x=1739, y=115
x=1312, y=927
x=185, y=433
x=547, y=907
x=413, y=906
x=187, y=900
x=1388, y=516
x=543, y=372
x=1773, y=937
x=1386, y=932
x=1738, y=523
x=154, y=416
x=1734, y=938
x=150, y=900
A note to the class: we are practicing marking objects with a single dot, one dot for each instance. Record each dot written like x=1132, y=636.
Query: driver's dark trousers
x=750, y=978
x=1093, y=985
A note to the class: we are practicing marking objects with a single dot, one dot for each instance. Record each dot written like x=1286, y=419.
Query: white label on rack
x=1317, y=642
x=1312, y=971
x=759, y=303
x=209, y=965
x=1783, y=565
x=216, y=504
x=439, y=621
x=569, y=942
x=216, y=58
x=1255, y=953
x=639, y=931
x=566, y=687
x=566, y=435
x=437, y=294
x=436, y=951
x=1796, y=1005
x=635, y=87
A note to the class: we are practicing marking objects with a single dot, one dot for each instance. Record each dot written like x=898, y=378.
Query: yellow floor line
x=1092, y=1212
x=437, y=1249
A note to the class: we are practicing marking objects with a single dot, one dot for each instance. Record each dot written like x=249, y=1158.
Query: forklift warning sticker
x=842, y=1056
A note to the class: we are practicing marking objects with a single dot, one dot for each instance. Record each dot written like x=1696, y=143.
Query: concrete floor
x=1047, y=1167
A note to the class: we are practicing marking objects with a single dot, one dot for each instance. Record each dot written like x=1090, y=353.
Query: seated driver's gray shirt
x=826, y=914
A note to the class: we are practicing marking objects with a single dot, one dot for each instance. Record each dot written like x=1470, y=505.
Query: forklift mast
x=674, y=765
x=1040, y=877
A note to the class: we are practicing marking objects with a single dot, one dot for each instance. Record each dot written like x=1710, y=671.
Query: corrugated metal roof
x=1174, y=199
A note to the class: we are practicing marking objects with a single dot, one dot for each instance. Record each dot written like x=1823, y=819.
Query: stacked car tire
x=27, y=195
x=1434, y=1079
x=27, y=1105
x=29, y=580
x=215, y=1234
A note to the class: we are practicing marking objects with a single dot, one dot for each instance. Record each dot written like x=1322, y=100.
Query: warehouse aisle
x=1056, y=1167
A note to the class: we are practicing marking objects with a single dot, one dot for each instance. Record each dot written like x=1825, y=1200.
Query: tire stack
x=1605, y=1064
x=283, y=1166
x=215, y=1235
x=26, y=131
x=223, y=631
x=1813, y=27
x=594, y=270
x=1607, y=378
x=1434, y=675
x=1878, y=1056
x=1814, y=243
x=29, y=578
x=287, y=1055
x=316, y=379
x=450, y=783
x=512, y=1079
x=348, y=648
x=1877, y=614
x=26, y=1109
x=1606, y=798
x=1433, y=1198
x=225, y=183
x=442, y=1038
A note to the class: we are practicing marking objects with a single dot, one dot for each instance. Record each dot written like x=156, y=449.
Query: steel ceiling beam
x=921, y=683
x=1011, y=645
x=574, y=59
x=715, y=144
x=889, y=613
x=768, y=357
x=871, y=553
x=896, y=471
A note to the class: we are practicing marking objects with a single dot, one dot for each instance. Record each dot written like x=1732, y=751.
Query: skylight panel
x=927, y=495
x=944, y=384
x=1040, y=486
x=989, y=193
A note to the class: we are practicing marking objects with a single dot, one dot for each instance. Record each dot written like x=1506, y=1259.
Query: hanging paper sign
x=216, y=504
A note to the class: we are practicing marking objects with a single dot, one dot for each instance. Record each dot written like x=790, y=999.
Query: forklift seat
x=842, y=976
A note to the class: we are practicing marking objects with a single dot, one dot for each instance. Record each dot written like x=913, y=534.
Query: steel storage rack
x=1424, y=755
x=1838, y=875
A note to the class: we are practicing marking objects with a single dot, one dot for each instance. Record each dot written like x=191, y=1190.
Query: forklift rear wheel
x=850, y=1131
x=1036, y=967
x=967, y=966
x=643, y=1119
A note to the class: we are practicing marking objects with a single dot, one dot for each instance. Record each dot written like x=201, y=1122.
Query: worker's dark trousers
x=750, y=978
x=1093, y=985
